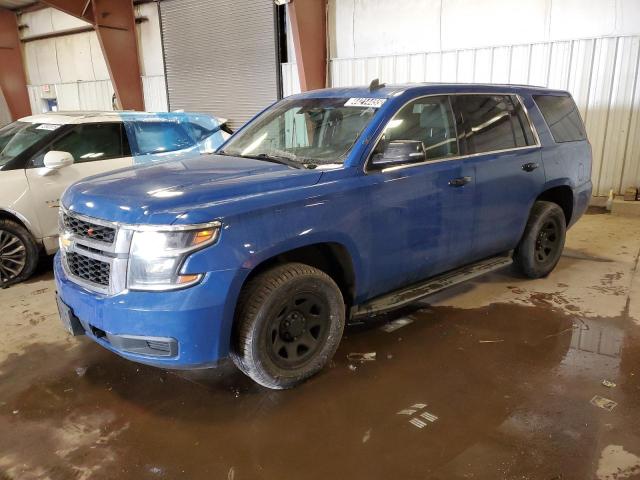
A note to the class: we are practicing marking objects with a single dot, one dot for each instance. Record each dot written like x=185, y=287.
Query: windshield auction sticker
x=47, y=126
x=365, y=102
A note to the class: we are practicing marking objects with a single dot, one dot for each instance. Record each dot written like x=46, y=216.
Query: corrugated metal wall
x=290, y=79
x=220, y=56
x=602, y=74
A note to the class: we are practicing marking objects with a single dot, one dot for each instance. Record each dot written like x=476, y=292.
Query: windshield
x=17, y=137
x=307, y=131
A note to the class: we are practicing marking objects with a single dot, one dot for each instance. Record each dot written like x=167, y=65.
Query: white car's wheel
x=18, y=253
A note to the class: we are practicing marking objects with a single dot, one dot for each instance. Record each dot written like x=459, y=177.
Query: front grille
x=88, y=230
x=88, y=269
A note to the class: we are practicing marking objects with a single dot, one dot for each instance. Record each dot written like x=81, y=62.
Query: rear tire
x=18, y=253
x=542, y=243
x=288, y=325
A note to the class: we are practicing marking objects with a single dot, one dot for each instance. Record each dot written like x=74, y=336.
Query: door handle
x=459, y=182
x=530, y=167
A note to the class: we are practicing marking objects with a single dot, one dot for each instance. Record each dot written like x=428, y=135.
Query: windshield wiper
x=281, y=159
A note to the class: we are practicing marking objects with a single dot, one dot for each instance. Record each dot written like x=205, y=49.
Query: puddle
x=487, y=404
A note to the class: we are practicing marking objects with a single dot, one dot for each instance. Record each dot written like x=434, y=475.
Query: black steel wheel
x=288, y=325
x=542, y=243
x=298, y=331
x=547, y=241
x=18, y=253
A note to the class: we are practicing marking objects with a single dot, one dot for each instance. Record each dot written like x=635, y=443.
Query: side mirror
x=55, y=160
x=398, y=152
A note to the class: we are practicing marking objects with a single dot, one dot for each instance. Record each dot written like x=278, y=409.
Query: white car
x=41, y=155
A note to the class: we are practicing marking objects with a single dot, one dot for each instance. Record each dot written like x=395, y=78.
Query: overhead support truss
x=13, y=80
x=114, y=23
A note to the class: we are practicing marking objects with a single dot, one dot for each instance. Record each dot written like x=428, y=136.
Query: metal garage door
x=220, y=56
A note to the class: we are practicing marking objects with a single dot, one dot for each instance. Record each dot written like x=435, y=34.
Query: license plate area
x=69, y=320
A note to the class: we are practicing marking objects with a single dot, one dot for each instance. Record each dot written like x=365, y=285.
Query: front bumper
x=193, y=323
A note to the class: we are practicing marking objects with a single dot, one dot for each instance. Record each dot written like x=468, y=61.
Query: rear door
x=422, y=214
x=96, y=148
x=497, y=133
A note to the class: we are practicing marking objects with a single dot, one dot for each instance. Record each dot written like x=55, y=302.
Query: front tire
x=18, y=253
x=542, y=243
x=288, y=325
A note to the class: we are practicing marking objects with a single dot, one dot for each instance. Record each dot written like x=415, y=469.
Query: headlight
x=156, y=256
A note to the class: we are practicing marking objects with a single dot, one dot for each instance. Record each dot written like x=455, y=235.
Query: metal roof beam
x=13, y=80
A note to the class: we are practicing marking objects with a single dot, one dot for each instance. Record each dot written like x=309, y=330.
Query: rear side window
x=562, y=117
x=490, y=123
x=160, y=137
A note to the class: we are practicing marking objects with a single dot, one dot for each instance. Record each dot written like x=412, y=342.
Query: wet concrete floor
x=498, y=378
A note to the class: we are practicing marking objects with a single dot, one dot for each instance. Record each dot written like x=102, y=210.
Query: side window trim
x=536, y=138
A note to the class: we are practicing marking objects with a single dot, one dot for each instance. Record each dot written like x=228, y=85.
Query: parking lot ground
x=499, y=378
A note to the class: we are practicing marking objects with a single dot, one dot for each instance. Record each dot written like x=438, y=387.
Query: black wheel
x=288, y=325
x=18, y=253
x=541, y=245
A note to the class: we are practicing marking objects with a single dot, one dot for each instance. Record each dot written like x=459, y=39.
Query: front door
x=422, y=213
x=509, y=172
x=96, y=148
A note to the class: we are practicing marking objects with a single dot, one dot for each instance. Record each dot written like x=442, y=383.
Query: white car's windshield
x=17, y=137
x=309, y=131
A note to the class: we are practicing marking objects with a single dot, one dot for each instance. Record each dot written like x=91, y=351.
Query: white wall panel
x=598, y=103
x=519, y=68
x=631, y=169
x=35, y=98
x=5, y=116
x=468, y=23
x=602, y=75
x=98, y=63
x=155, y=93
x=68, y=95
x=359, y=28
x=580, y=19
x=74, y=53
x=149, y=41
x=290, y=79
x=96, y=95
x=483, y=65
x=434, y=67
x=620, y=109
x=501, y=65
x=540, y=61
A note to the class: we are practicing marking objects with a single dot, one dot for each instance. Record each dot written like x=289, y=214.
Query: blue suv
x=327, y=206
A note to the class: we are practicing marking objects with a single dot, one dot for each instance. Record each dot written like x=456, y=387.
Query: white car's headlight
x=156, y=256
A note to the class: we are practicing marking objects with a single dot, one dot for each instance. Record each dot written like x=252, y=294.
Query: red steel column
x=114, y=22
x=116, y=29
x=13, y=80
x=308, y=23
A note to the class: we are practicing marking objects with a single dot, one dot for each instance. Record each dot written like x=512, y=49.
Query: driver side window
x=428, y=120
x=89, y=142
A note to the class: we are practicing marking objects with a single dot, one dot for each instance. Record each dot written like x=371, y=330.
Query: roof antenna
x=375, y=85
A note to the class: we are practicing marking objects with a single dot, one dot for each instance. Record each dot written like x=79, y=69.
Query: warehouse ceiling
x=13, y=4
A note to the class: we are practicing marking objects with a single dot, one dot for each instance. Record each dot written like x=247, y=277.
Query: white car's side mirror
x=55, y=160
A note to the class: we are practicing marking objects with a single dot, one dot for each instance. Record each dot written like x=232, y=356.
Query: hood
x=159, y=193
